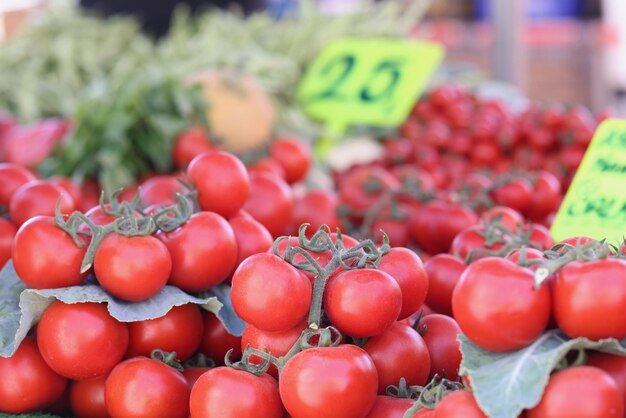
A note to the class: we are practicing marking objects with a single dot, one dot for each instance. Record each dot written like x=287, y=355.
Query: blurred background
x=571, y=51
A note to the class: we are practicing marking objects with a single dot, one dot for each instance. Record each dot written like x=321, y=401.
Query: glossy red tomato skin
x=259, y=287
x=293, y=155
x=510, y=218
x=38, y=198
x=268, y=165
x=203, y=252
x=589, y=299
x=270, y=202
x=388, y=407
x=399, y=352
x=70, y=187
x=45, y=256
x=434, y=225
x=406, y=268
x=251, y=236
x=87, y=397
x=160, y=190
x=582, y=391
x=440, y=334
x=275, y=343
x=344, y=376
x=362, y=303
x=397, y=232
x=458, y=404
x=12, y=177
x=444, y=272
x=81, y=340
x=517, y=194
x=540, y=235
x=224, y=392
x=497, y=308
x=546, y=196
x=216, y=340
x=317, y=208
x=221, y=180
x=132, y=268
x=189, y=144
x=7, y=234
x=192, y=374
x=352, y=189
x=179, y=330
x=614, y=365
x=142, y=387
x=27, y=383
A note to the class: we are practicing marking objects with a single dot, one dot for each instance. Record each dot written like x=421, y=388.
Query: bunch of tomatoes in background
x=356, y=302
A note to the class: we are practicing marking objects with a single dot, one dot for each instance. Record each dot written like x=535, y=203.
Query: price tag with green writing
x=367, y=81
x=595, y=204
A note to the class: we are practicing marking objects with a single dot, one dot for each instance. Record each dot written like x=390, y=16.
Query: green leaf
x=23, y=307
x=504, y=384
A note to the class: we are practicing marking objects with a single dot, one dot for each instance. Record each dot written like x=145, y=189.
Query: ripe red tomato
x=344, y=377
x=160, y=190
x=189, y=144
x=12, y=177
x=132, y=268
x=192, y=374
x=99, y=217
x=7, y=234
x=516, y=194
x=293, y=155
x=440, y=334
x=434, y=225
x=221, y=180
x=45, y=256
x=399, y=352
x=397, y=231
x=615, y=366
x=317, y=207
x=81, y=340
x=589, y=299
x=275, y=343
x=27, y=383
x=267, y=165
x=225, y=392
x=90, y=193
x=87, y=397
x=142, y=387
x=496, y=306
x=70, y=187
x=546, y=196
x=259, y=287
x=179, y=330
x=508, y=217
x=251, y=236
x=38, y=198
x=216, y=340
x=388, y=407
x=362, y=303
x=270, y=202
x=362, y=187
x=540, y=235
x=458, y=404
x=444, y=272
x=580, y=392
x=470, y=244
x=406, y=268
x=203, y=252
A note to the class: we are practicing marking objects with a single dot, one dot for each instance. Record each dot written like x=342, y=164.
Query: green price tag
x=595, y=204
x=367, y=81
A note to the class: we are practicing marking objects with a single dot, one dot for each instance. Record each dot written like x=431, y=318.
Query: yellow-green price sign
x=595, y=204
x=367, y=81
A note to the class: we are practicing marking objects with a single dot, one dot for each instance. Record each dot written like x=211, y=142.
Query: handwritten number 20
x=346, y=64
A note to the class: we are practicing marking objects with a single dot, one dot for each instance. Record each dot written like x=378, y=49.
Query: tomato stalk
x=403, y=391
x=166, y=357
x=245, y=365
x=431, y=394
x=563, y=254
